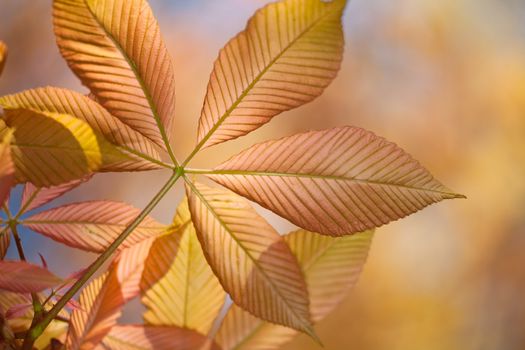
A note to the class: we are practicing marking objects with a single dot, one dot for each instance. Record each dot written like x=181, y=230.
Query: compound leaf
x=179, y=287
x=337, y=181
x=92, y=226
x=287, y=55
x=115, y=48
x=251, y=260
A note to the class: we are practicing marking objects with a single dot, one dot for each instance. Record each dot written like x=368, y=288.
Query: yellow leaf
x=179, y=287
x=331, y=267
x=52, y=101
x=251, y=260
x=7, y=167
x=288, y=54
x=53, y=149
x=115, y=48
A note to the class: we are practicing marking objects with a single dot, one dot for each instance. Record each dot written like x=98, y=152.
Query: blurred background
x=444, y=79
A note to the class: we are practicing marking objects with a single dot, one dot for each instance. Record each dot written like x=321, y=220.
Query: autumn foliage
x=219, y=276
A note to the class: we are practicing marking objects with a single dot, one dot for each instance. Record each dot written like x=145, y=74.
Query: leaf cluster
x=337, y=185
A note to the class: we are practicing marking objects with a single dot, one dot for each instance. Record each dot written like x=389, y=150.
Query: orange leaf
x=288, y=54
x=92, y=226
x=3, y=56
x=251, y=260
x=115, y=48
x=7, y=167
x=51, y=100
x=138, y=337
x=22, y=277
x=337, y=181
x=5, y=240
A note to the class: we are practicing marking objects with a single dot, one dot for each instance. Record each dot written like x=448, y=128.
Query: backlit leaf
x=52, y=101
x=287, y=55
x=22, y=277
x=331, y=266
x=115, y=48
x=34, y=197
x=93, y=225
x=251, y=260
x=337, y=181
x=52, y=150
x=3, y=55
x=102, y=300
x=7, y=167
x=138, y=337
x=179, y=287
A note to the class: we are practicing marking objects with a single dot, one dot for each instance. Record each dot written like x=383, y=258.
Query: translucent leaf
x=337, y=181
x=179, y=287
x=251, y=260
x=331, y=267
x=138, y=337
x=3, y=56
x=115, y=48
x=102, y=300
x=52, y=101
x=7, y=167
x=22, y=277
x=93, y=226
x=34, y=197
x=287, y=55
x=52, y=150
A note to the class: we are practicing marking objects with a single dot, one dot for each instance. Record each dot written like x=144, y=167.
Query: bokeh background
x=445, y=79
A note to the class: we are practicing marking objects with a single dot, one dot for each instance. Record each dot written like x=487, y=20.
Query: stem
x=36, y=330
x=37, y=305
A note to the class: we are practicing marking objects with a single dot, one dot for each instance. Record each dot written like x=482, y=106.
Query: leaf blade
x=138, y=337
x=133, y=75
x=265, y=279
x=92, y=225
x=7, y=167
x=22, y=277
x=287, y=55
x=335, y=182
x=178, y=286
x=331, y=265
x=3, y=56
x=51, y=100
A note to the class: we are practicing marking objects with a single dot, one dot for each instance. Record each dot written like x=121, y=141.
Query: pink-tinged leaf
x=5, y=240
x=17, y=311
x=288, y=54
x=138, y=337
x=102, y=300
x=34, y=197
x=116, y=49
x=7, y=167
x=74, y=305
x=22, y=277
x=336, y=182
x=251, y=260
x=51, y=100
x=92, y=226
x=331, y=265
